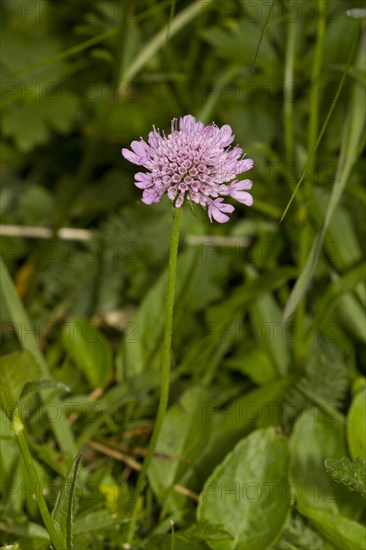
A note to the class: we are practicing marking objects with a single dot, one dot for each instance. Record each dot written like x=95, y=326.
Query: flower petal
x=226, y=135
x=243, y=197
x=149, y=196
x=244, y=165
x=187, y=122
x=240, y=185
x=142, y=180
x=129, y=155
x=154, y=139
x=216, y=209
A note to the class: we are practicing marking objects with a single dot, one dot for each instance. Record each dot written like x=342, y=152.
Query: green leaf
x=255, y=363
x=349, y=473
x=26, y=337
x=16, y=371
x=184, y=433
x=343, y=533
x=63, y=513
x=30, y=530
x=326, y=375
x=240, y=44
x=69, y=52
x=196, y=537
x=267, y=315
x=316, y=437
x=22, y=324
x=39, y=385
x=233, y=422
x=90, y=350
x=248, y=293
x=356, y=426
x=94, y=521
x=299, y=535
x=160, y=39
x=30, y=124
x=207, y=531
x=330, y=299
x=249, y=492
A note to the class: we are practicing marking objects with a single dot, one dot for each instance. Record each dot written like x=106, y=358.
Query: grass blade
x=67, y=53
x=173, y=26
x=352, y=134
x=25, y=333
x=325, y=125
x=262, y=34
x=331, y=297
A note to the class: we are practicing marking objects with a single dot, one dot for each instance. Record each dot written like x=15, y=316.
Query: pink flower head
x=195, y=163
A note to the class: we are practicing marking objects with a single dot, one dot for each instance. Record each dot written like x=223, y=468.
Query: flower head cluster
x=193, y=162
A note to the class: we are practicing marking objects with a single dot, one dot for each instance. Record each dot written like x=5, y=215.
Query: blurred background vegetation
x=82, y=79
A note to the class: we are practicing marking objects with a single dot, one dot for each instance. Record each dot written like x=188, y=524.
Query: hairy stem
x=165, y=369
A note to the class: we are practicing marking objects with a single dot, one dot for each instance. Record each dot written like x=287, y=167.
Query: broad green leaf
x=298, y=534
x=316, y=437
x=90, y=350
x=184, y=434
x=342, y=532
x=196, y=537
x=356, y=426
x=352, y=135
x=326, y=375
x=260, y=406
x=63, y=515
x=177, y=541
x=16, y=370
x=254, y=363
x=249, y=492
x=349, y=473
x=30, y=124
x=207, y=531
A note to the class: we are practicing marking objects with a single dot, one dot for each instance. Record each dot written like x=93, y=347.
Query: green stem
x=165, y=369
x=288, y=92
x=315, y=87
x=32, y=472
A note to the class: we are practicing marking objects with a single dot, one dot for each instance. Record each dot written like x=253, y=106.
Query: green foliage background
x=264, y=444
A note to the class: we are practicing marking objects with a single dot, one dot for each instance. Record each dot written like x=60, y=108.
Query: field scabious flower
x=194, y=162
